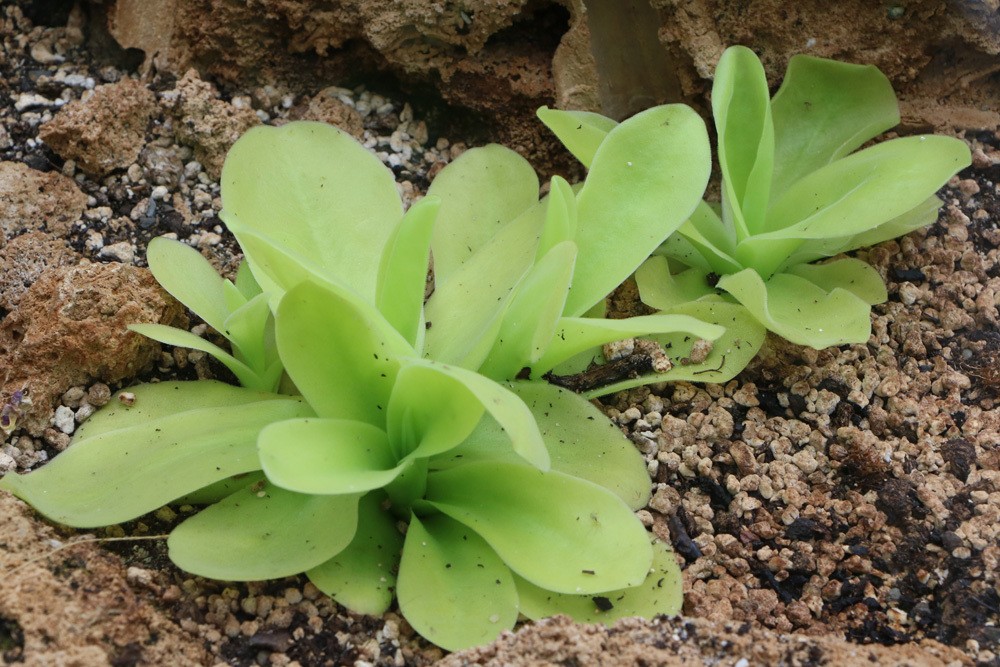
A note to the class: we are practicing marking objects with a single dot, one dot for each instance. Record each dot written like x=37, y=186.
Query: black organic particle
x=603, y=603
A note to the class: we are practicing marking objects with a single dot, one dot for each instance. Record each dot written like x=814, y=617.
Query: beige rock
x=105, y=131
x=326, y=108
x=31, y=200
x=206, y=123
x=70, y=328
x=23, y=261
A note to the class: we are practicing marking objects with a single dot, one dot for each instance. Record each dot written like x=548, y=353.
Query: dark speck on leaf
x=603, y=603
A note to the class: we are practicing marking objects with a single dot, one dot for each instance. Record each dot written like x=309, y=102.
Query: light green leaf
x=131, y=461
x=190, y=278
x=559, y=532
x=560, y=217
x=848, y=273
x=481, y=191
x=399, y=294
x=341, y=354
x=500, y=402
x=530, y=322
x=825, y=110
x=729, y=355
x=584, y=443
x=581, y=132
x=741, y=106
x=453, y=589
x=245, y=282
x=646, y=179
x=181, y=338
x=712, y=239
x=267, y=533
x=799, y=311
x=251, y=331
x=578, y=334
x=430, y=410
x=216, y=491
x=362, y=577
x=661, y=289
x=326, y=456
x=464, y=314
x=867, y=188
x=661, y=593
x=921, y=216
x=315, y=190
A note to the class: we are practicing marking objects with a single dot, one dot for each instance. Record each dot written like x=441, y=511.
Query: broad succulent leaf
x=189, y=278
x=481, y=191
x=581, y=132
x=344, y=372
x=362, y=577
x=646, y=179
x=264, y=533
x=326, y=456
x=557, y=531
x=742, y=110
x=177, y=438
x=825, y=110
x=453, y=588
x=315, y=190
x=660, y=593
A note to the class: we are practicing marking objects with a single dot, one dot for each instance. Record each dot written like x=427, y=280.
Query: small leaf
x=529, y=324
x=581, y=132
x=245, y=282
x=661, y=593
x=264, y=534
x=848, y=273
x=646, y=179
x=131, y=461
x=430, y=411
x=341, y=354
x=315, y=190
x=560, y=217
x=399, y=294
x=825, y=110
x=584, y=443
x=465, y=312
x=661, y=289
x=190, y=278
x=326, y=456
x=453, y=589
x=481, y=191
x=729, y=355
x=251, y=331
x=741, y=106
x=559, y=532
x=578, y=334
x=182, y=338
x=799, y=311
x=362, y=577
x=503, y=405
x=713, y=240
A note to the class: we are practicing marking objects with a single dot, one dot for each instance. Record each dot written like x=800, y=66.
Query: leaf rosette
x=795, y=189
x=365, y=409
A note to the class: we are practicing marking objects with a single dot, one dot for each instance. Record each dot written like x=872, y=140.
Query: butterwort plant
x=795, y=190
x=389, y=448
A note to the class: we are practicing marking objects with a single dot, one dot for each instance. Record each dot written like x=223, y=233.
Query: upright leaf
x=646, y=179
x=190, y=278
x=825, y=110
x=581, y=132
x=314, y=189
x=341, y=354
x=481, y=191
x=399, y=294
